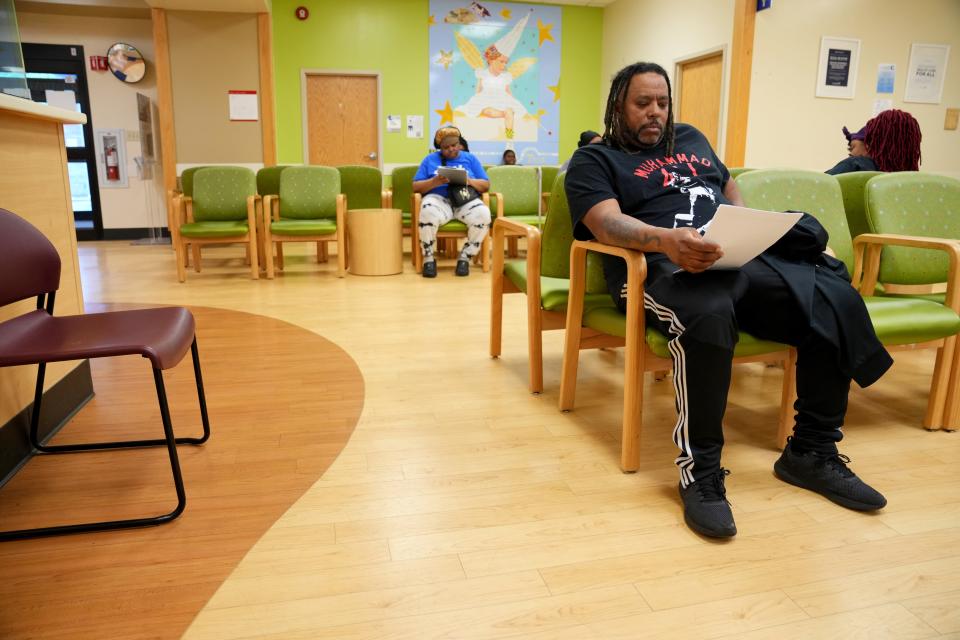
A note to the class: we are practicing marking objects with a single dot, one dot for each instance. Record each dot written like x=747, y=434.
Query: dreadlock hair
x=616, y=134
x=893, y=141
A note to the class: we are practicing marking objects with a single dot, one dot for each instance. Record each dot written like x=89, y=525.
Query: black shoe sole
x=843, y=501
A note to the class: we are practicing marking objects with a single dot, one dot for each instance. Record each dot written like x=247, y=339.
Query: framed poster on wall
x=925, y=74
x=837, y=71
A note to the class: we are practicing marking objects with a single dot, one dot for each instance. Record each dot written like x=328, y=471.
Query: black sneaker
x=828, y=475
x=430, y=269
x=463, y=267
x=705, y=506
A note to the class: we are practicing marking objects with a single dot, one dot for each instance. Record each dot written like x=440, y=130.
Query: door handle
x=372, y=155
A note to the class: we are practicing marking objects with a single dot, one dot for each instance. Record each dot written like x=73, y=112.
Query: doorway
x=56, y=75
x=341, y=114
x=700, y=94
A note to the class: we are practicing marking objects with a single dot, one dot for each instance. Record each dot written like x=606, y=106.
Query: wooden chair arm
x=503, y=227
x=253, y=206
x=499, y=203
x=636, y=274
x=867, y=248
x=386, y=198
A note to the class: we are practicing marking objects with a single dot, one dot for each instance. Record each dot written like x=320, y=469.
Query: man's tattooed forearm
x=623, y=231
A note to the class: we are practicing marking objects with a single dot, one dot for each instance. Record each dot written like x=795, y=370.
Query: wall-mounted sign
x=837, y=72
x=302, y=13
x=925, y=74
x=243, y=106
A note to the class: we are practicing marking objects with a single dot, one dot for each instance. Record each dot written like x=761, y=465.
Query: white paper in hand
x=455, y=175
x=744, y=233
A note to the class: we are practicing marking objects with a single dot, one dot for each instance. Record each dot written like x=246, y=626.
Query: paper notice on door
x=744, y=233
x=63, y=99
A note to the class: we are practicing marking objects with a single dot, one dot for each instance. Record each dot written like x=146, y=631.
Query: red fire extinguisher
x=113, y=164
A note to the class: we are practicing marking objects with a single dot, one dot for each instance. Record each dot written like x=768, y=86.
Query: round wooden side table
x=375, y=242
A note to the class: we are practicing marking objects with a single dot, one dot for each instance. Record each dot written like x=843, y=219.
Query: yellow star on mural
x=445, y=58
x=535, y=116
x=446, y=114
x=556, y=91
x=544, y=31
x=431, y=21
x=505, y=14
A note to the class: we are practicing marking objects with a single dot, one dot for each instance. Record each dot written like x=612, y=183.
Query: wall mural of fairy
x=495, y=74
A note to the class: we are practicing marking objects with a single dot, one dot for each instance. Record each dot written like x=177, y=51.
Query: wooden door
x=342, y=120
x=701, y=86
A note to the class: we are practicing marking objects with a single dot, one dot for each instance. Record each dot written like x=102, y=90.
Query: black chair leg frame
x=168, y=440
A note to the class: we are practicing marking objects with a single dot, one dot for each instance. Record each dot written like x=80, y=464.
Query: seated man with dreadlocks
x=650, y=185
x=891, y=142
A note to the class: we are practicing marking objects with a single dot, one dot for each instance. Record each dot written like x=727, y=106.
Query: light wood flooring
x=464, y=507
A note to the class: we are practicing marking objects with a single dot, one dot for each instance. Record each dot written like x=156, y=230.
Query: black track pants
x=702, y=314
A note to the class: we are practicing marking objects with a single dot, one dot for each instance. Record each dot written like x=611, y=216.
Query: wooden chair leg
x=951, y=417
x=633, y=387
x=181, y=249
x=195, y=250
x=246, y=255
x=280, y=256
x=513, y=247
x=254, y=262
x=938, y=402
x=535, y=345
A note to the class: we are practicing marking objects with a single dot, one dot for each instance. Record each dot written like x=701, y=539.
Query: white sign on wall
x=925, y=74
x=837, y=72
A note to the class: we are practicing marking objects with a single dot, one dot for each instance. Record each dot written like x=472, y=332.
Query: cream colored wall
x=645, y=30
x=789, y=126
x=113, y=103
x=210, y=54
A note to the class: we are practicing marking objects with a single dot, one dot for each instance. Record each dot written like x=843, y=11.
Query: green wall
x=390, y=37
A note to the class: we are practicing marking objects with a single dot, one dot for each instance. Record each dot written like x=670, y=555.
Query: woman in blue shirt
x=437, y=208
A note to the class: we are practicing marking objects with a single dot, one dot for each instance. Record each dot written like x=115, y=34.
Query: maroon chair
x=161, y=335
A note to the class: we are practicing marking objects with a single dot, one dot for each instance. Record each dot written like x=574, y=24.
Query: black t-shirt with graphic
x=680, y=190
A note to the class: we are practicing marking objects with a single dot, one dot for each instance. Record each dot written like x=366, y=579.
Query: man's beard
x=633, y=142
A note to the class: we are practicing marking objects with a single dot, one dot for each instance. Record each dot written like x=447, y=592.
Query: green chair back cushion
x=520, y=187
x=557, y=236
x=548, y=176
x=401, y=182
x=220, y=193
x=268, y=180
x=186, y=180
x=309, y=193
x=852, y=186
x=812, y=192
x=362, y=185
x=915, y=204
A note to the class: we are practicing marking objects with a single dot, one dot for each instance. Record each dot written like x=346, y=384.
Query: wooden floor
x=463, y=507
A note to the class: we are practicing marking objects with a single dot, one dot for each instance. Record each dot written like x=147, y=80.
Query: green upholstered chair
x=223, y=210
x=544, y=276
x=184, y=190
x=918, y=217
x=309, y=208
x=400, y=196
x=268, y=180
x=515, y=193
x=362, y=186
x=548, y=176
x=736, y=171
x=852, y=188
x=646, y=347
x=900, y=323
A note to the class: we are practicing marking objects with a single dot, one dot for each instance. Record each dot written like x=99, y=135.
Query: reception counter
x=34, y=185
